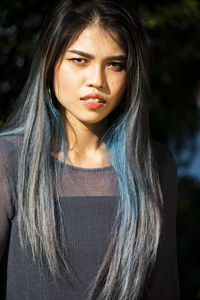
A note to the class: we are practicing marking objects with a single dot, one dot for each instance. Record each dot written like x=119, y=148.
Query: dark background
x=173, y=33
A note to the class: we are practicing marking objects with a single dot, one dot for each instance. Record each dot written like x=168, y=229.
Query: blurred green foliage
x=173, y=35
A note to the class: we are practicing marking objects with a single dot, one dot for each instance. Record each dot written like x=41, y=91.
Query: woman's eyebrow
x=88, y=55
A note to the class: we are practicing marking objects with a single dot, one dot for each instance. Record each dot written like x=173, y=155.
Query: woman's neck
x=85, y=149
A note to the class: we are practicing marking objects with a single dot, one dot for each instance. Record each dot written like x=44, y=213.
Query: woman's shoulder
x=165, y=163
x=163, y=155
x=10, y=146
x=161, y=151
x=10, y=142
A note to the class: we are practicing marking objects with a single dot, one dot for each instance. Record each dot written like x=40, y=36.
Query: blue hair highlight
x=59, y=132
x=116, y=144
x=58, y=127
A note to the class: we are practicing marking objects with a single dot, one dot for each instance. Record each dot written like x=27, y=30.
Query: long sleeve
x=163, y=281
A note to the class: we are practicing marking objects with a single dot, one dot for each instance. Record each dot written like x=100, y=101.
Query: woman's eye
x=116, y=66
x=78, y=60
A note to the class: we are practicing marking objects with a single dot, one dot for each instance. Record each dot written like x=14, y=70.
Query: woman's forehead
x=95, y=37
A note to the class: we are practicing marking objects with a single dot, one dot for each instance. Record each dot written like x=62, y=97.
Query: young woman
x=87, y=201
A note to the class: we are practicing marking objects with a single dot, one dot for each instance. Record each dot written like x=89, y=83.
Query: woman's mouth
x=93, y=101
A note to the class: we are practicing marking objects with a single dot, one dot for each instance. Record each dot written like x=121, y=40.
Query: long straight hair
x=40, y=125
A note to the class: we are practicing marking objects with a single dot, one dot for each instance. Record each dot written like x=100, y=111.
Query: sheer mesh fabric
x=83, y=182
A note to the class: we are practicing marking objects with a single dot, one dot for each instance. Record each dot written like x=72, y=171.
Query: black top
x=88, y=199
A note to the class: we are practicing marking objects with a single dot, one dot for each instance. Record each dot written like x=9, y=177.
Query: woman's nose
x=96, y=77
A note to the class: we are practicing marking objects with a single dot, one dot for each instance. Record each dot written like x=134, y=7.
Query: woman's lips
x=93, y=96
x=92, y=104
x=93, y=101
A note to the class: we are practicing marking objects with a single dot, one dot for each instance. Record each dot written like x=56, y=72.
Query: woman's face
x=90, y=80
